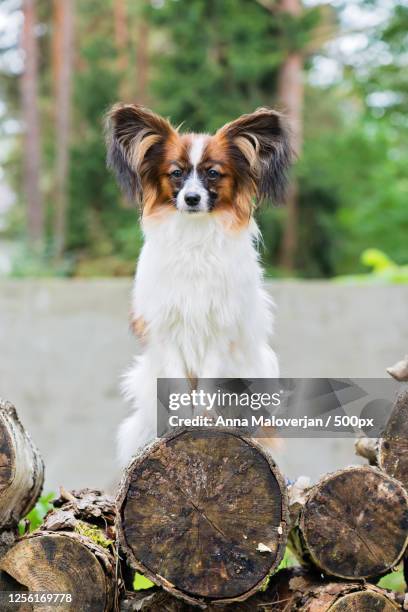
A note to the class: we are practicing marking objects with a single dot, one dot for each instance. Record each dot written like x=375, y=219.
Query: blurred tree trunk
x=290, y=95
x=132, y=89
x=31, y=119
x=63, y=52
x=120, y=18
x=142, y=57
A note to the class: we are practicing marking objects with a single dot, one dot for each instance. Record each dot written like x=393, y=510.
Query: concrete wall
x=64, y=345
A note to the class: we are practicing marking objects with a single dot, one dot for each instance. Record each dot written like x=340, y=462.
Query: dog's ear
x=135, y=135
x=262, y=138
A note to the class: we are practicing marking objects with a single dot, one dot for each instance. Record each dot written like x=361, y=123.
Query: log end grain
x=73, y=552
x=59, y=563
x=364, y=601
x=355, y=523
x=204, y=515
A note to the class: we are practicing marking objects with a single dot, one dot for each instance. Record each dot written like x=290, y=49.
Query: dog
x=199, y=306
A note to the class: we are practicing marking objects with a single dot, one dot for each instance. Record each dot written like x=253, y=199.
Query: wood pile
x=207, y=516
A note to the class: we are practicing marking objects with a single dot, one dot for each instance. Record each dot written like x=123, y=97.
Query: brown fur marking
x=139, y=328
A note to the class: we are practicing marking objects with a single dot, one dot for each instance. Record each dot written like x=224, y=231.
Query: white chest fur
x=198, y=288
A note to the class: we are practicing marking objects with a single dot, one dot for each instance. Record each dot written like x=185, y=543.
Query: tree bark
x=204, y=515
x=73, y=552
x=31, y=119
x=63, y=52
x=353, y=524
x=290, y=94
x=21, y=472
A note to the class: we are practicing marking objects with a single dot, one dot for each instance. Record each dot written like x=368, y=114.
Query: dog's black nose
x=192, y=199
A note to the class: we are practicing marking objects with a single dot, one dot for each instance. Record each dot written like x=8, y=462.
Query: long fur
x=198, y=301
x=263, y=139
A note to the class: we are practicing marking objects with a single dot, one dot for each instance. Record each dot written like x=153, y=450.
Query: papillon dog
x=199, y=306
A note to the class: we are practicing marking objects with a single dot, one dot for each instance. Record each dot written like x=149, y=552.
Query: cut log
x=204, y=515
x=353, y=524
x=21, y=470
x=289, y=591
x=293, y=590
x=390, y=451
x=393, y=444
x=73, y=552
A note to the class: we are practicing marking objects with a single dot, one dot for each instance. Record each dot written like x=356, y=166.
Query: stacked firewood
x=69, y=563
x=207, y=516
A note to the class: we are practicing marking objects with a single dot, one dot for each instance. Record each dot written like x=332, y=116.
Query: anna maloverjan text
x=326, y=407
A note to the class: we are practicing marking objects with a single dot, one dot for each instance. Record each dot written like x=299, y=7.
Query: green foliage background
x=209, y=61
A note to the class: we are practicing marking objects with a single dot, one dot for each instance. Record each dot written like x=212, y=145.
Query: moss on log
x=353, y=524
x=204, y=515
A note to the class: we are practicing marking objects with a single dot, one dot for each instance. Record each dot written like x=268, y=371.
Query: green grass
x=35, y=517
x=289, y=560
x=393, y=581
x=140, y=582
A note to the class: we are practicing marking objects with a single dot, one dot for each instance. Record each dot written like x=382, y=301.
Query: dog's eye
x=176, y=173
x=213, y=174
